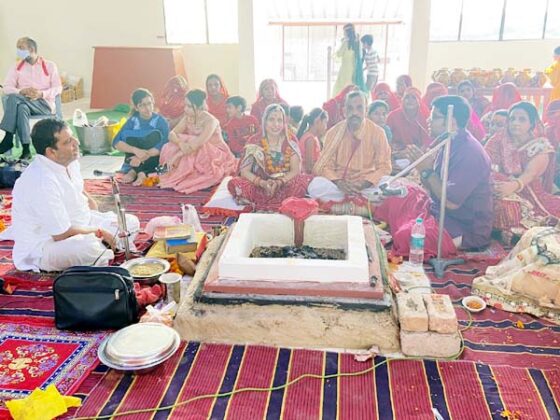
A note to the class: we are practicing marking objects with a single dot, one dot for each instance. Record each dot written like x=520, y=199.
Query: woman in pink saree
x=523, y=171
x=196, y=155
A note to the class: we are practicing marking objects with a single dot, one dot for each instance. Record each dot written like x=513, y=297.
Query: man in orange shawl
x=355, y=158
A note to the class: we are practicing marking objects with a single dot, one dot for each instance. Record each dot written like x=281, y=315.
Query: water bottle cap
x=419, y=220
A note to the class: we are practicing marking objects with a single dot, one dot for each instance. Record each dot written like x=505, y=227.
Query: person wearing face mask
x=355, y=158
x=31, y=86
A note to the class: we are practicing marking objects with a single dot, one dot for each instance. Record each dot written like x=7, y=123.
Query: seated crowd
x=501, y=172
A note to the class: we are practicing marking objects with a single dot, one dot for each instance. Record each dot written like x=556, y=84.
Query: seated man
x=55, y=223
x=31, y=85
x=355, y=157
x=469, y=206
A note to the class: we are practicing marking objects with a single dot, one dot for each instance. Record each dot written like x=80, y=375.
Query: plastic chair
x=34, y=118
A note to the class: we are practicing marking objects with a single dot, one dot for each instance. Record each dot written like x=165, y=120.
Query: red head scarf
x=504, y=96
x=257, y=109
x=335, y=106
x=392, y=100
x=218, y=107
x=409, y=130
x=433, y=91
x=423, y=110
x=171, y=103
x=407, y=81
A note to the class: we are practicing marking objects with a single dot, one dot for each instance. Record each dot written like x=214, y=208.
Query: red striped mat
x=403, y=389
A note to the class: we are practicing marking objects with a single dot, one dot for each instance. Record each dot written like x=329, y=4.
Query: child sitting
x=239, y=126
x=141, y=138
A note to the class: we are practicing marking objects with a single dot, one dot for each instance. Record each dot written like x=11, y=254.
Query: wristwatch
x=426, y=173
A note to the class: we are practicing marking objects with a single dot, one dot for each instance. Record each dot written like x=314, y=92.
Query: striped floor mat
x=402, y=389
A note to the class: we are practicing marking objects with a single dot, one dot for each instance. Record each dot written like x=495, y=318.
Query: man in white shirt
x=55, y=223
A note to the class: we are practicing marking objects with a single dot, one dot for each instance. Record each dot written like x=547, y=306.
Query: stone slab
x=442, y=317
x=430, y=344
x=413, y=315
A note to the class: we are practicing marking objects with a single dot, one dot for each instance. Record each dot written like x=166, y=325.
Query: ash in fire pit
x=305, y=252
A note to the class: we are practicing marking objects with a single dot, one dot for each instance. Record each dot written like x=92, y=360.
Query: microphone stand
x=121, y=218
x=439, y=264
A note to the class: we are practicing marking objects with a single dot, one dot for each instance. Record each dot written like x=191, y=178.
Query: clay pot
x=457, y=76
x=508, y=76
x=441, y=76
x=538, y=80
x=477, y=77
x=492, y=78
x=522, y=78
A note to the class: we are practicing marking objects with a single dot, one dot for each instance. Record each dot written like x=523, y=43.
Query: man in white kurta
x=55, y=223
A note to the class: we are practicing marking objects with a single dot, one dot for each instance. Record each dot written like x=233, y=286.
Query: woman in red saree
x=523, y=167
x=217, y=96
x=171, y=103
x=268, y=94
x=478, y=103
x=504, y=96
x=335, y=106
x=269, y=171
x=409, y=124
x=383, y=91
x=404, y=81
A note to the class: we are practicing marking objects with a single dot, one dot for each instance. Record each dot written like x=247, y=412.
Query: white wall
x=66, y=30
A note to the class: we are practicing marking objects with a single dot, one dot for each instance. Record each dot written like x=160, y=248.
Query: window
x=445, y=18
x=306, y=48
x=475, y=20
x=481, y=20
x=523, y=22
x=200, y=21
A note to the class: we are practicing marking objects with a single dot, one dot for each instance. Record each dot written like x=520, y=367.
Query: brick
x=412, y=312
x=430, y=344
x=441, y=315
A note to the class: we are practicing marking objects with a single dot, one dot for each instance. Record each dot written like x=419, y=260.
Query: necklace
x=276, y=161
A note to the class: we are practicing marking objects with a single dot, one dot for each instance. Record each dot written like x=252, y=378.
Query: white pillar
x=419, y=43
x=246, y=30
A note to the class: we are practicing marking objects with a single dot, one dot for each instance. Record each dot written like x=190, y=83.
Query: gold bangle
x=520, y=184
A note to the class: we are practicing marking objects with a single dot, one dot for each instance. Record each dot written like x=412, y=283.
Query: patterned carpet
x=396, y=389
x=511, y=362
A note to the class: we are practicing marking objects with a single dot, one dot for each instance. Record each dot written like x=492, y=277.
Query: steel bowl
x=130, y=264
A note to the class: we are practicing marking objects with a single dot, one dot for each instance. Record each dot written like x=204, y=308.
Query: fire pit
x=252, y=231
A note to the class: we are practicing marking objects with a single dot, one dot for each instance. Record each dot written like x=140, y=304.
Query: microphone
x=397, y=192
x=97, y=172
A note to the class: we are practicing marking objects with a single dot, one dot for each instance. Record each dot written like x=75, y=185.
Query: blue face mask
x=22, y=54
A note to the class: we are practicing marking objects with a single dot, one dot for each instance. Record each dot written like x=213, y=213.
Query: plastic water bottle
x=416, y=256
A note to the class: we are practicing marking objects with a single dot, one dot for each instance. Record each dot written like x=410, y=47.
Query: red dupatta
x=407, y=130
x=335, y=106
x=504, y=96
x=434, y=90
x=257, y=109
x=383, y=88
x=218, y=108
x=171, y=103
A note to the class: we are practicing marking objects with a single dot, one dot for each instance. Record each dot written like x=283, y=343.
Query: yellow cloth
x=42, y=405
x=347, y=68
x=370, y=162
x=553, y=73
x=158, y=249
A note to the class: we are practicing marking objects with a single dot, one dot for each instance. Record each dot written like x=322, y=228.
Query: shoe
x=25, y=156
x=26, y=153
x=7, y=143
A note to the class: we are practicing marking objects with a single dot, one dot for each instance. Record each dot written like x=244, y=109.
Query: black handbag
x=10, y=171
x=94, y=298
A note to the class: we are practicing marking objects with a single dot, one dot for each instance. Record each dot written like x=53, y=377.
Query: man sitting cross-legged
x=55, y=223
x=468, y=218
x=355, y=157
